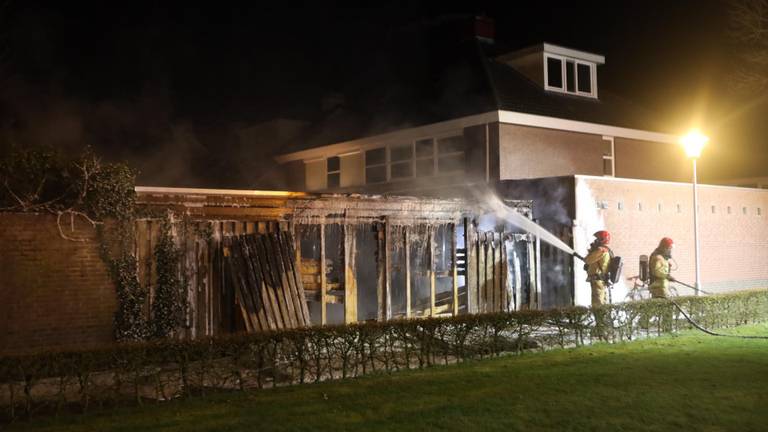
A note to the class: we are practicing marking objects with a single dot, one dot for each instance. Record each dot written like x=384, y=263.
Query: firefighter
x=596, y=264
x=658, y=266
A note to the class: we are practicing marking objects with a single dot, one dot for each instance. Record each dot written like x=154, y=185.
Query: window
x=425, y=158
x=759, y=211
x=554, y=72
x=376, y=165
x=401, y=161
x=333, y=170
x=639, y=206
x=658, y=207
x=729, y=209
x=744, y=210
x=621, y=205
x=450, y=154
x=679, y=209
x=568, y=75
x=609, y=166
x=585, y=78
x=713, y=209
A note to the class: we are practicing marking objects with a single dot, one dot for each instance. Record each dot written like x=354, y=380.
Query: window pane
x=448, y=164
x=333, y=164
x=425, y=167
x=554, y=72
x=400, y=153
x=334, y=180
x=375, y=157
x=585, y=78
x=607, y=148
x=570, y=76
x=401, y=170
x=424, y=148
x=608, y=167
x=451, y=144
x=377, y=174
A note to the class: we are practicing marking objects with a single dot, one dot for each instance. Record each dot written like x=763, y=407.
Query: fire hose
x=685, y=314
x=706, y=330
x=699, y=326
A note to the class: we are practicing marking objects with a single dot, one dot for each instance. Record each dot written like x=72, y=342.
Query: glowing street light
x=693, y=143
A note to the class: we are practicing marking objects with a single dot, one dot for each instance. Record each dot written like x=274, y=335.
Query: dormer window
x=569, y=75
x=557, y=69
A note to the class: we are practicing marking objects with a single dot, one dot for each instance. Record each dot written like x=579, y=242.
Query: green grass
x=687, y=382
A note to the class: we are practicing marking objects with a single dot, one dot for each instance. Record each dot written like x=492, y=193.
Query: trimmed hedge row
x=137, y=373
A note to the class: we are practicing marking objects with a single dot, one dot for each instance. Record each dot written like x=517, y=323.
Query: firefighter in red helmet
x=596, y=264
x=659, y=268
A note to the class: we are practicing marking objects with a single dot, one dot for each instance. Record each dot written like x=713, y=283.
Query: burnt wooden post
x=454, y=270
x=488, y=276
x=497, y=266
x=407, y=272
x=381, y=273
x=532, y=264
x=323, y=273
x=387, y=269
x=431, y=245
x=350, y=284
x=470, y=240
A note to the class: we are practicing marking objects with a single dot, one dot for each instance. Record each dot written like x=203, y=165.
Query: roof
x=424, y=79
x=514, y=92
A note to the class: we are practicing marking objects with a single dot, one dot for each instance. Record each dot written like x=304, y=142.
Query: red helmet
x=666, y=242
x=603, y=237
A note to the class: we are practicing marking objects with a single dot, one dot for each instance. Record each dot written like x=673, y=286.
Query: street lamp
x=693, y=143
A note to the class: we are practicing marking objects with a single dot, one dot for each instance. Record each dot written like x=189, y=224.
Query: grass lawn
x=686, y=382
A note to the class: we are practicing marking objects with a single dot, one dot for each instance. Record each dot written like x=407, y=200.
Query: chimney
x=484, y=28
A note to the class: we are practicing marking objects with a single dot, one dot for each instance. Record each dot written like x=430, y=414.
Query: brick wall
x=530, y=152
x=53, y=293
x=733, y=246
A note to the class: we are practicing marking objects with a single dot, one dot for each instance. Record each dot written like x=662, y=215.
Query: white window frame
x=612, y=157
x=563, y=75
x=390, y=163
x=328, y=172
x=437, y=154
x=385, y=164
x=433, y=156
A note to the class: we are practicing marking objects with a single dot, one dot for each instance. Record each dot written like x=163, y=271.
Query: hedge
x=140, y=373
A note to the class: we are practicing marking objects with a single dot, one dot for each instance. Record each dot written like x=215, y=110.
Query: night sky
x=166, y=87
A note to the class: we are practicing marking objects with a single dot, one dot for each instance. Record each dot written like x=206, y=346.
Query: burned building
x=351, y=258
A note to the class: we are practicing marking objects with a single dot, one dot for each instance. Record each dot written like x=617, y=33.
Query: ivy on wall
x=169, y=303
x=42, y=180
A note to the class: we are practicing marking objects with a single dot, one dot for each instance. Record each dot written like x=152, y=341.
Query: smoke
x=144, y=131
x=495, y=207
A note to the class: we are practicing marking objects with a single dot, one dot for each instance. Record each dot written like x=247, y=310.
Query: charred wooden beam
x=350, y=283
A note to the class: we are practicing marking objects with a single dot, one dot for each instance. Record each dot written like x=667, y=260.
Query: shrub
x=134, y=372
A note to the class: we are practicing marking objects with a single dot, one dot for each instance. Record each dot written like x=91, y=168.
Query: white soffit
x=572, y=53
x=508, y=117
x=511, y=117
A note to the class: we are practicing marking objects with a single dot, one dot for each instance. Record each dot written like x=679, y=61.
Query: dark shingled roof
x=428, y=77
x=515, y=92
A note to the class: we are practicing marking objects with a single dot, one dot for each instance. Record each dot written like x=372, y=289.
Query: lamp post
x=693, y=143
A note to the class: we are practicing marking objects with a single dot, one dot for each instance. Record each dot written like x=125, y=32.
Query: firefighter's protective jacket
x=597, y=262
x=659, y=269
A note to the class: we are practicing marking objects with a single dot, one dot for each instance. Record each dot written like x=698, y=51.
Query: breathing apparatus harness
x=615, y=265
